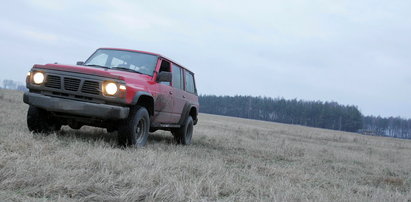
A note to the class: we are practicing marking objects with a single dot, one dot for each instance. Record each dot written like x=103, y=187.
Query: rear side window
x=177, y=78
x=189, y=82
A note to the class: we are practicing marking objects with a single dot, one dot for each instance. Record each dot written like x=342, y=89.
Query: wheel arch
x=189, y=110
x=193, y=113
x=146, y=100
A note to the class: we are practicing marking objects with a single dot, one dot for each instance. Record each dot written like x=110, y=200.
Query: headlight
x=38, y=78
x=110, y=88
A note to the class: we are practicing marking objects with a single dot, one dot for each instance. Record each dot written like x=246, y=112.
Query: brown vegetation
x=230, y=159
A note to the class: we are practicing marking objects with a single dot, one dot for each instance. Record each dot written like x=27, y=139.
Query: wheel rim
x=140, y=129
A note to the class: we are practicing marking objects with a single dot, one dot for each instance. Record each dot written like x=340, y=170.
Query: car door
x=178, y=92
x=163, y=107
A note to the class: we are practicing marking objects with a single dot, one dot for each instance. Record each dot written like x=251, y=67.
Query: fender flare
x=138, y=95
x=186, y=112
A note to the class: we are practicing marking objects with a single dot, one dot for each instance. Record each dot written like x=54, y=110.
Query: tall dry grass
x=230, y=159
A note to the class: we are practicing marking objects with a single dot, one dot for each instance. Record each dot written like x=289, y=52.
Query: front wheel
x=134, y=130
x=40, y=121
x=184, y=134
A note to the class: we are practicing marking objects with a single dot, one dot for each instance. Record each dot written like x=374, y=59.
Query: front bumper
x=74, y=107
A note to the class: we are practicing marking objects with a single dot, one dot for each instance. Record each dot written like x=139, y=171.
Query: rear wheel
x=40, y=121
x=134, y=130
x=184, y=134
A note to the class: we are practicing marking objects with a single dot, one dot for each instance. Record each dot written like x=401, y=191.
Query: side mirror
x=164, y=77
x=80, y=63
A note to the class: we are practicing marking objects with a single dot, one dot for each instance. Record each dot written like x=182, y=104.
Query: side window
x=165, y=66
x=189, y=82
x=177, y=79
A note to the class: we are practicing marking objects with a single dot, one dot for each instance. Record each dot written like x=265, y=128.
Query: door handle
x=184, y=96
x=170, y=92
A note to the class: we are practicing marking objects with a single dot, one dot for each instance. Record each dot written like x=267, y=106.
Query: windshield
x=123, y=60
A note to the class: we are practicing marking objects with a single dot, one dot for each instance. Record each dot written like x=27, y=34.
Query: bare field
x=231, y=159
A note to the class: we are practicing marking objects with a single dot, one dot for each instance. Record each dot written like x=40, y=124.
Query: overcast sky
x=352, y=52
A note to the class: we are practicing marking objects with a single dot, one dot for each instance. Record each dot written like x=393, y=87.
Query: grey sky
x=352, y=52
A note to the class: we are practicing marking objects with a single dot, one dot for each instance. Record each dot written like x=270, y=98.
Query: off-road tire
x=40, y=121
x=134, y=130
x=184, y=134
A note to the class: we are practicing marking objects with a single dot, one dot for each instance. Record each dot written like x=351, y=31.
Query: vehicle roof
x=146, y=52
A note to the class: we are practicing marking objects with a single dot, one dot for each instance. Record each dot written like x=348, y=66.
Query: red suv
x=132, y=92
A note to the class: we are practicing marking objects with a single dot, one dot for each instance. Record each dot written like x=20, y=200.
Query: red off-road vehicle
x=132, y=92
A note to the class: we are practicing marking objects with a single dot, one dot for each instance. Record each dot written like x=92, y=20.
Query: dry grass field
x=230, y=159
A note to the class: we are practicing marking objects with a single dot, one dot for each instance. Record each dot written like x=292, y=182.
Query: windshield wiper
x=126, y=69
x=93, y=65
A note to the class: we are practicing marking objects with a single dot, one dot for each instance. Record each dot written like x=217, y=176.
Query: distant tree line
x=329, y=115
x=13, y=85
x=319, y=114
x=391, y=126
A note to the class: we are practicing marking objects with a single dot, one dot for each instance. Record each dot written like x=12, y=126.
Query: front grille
x=53, y=82
x=71, y=84
x=90, y=87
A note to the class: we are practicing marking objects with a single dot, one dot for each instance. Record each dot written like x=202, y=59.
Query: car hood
x=109, y=73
